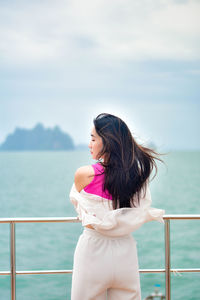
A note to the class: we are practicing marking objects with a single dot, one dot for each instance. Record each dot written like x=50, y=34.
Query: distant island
x=38, y=138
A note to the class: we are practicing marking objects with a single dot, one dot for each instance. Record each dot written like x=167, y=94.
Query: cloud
x=65, y=31
x=62, y=62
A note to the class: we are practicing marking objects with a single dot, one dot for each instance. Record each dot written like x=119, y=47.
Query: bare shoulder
x=83, y=176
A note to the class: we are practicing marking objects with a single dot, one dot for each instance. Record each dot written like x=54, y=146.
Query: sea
x=37, y=184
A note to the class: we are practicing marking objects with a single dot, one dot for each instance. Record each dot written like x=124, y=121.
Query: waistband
x=93, y=232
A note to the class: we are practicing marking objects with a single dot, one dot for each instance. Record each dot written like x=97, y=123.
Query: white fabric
x=105, y=268
x=98, y=212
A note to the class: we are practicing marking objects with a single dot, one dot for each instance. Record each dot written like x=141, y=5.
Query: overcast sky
x=64, y=62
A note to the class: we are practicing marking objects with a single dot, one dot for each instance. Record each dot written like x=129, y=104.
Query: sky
x=64, y=62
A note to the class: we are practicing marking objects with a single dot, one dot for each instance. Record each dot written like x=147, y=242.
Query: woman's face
x=96, y=144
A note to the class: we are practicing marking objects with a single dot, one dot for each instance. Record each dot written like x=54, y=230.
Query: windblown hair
x=127, y=165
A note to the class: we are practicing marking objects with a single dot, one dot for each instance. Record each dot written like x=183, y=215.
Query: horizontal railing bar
x=171, y=270
x=39, y=219
x=43, y=272
x=75, y=219
x=182, y=217
x=13, y=271
x=185, y=270
x=195, y=270
x=5, y=273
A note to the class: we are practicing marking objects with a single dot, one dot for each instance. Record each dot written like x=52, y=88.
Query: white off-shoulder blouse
x=97, y=211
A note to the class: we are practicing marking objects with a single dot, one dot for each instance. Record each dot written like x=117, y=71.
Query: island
x=38, y=139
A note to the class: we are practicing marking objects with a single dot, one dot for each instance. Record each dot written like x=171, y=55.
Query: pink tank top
x=95, y=187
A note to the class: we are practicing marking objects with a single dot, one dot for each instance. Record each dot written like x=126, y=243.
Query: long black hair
x=127, y=165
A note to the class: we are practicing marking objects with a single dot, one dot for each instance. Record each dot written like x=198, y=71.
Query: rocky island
x=38, y=139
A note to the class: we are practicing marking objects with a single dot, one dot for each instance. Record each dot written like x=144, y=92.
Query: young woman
x=112, y=199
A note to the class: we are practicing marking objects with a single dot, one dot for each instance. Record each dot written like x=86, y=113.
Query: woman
x=112, y=199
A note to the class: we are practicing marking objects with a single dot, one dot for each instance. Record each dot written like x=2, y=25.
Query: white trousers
x=105, y=268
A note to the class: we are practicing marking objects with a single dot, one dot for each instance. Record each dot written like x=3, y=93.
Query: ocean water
x=37, y=184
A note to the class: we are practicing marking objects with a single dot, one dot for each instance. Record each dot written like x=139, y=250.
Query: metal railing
x=167, y=270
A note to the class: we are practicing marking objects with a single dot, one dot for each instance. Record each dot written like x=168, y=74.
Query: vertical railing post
x=12, y=260
x=167, y=260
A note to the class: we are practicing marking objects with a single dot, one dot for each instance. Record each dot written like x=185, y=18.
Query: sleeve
x=126, y=220
x=120, y=221
x=75, y=199
x=85, y=212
